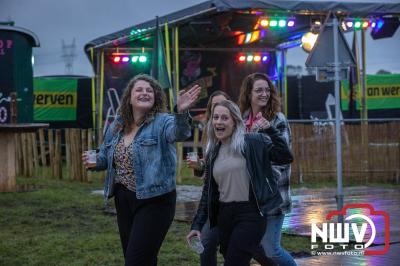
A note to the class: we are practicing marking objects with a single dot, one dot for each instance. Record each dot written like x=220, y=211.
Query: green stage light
x=142, y=59
x=273, y=23
x=135, y=58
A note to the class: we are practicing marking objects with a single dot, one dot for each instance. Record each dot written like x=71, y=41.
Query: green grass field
x=60, y=222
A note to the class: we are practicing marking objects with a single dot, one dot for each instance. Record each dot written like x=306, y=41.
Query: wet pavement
x=313, y=205
x=392, y=258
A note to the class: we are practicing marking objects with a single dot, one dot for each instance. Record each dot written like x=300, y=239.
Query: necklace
x=140, y=122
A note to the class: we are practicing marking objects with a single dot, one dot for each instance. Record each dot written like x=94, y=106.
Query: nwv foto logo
x=337, y=235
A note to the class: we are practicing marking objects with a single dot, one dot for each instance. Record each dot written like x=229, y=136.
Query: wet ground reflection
x=312, y=206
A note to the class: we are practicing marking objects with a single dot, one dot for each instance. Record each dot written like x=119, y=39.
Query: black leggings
x=143, y=224
x=241, y=228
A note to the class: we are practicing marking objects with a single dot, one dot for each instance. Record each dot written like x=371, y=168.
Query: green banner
x=54, y=99
x=383, y=92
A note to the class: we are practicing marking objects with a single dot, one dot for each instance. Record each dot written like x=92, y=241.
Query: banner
x=159, y=66
x=354, y=81
x=383, y=92
x=55, y=99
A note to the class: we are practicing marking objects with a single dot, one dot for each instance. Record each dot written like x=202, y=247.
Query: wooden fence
x=371, y=153
x=48, y=152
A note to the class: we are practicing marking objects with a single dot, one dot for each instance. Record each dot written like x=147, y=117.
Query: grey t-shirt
x=231, y=175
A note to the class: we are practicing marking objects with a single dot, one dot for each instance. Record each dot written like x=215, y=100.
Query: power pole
x=68, y=55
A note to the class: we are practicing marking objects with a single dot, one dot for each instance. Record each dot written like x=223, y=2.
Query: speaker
x=385, y=28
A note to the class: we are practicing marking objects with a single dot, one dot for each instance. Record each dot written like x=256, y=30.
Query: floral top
x=250, y=121
x=123, y=159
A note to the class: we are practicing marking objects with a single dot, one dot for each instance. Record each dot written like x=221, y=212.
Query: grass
x=62, y=223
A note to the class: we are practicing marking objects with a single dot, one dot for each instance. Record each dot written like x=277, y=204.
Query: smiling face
x=223, y=124
x=142, y=96
x=260, y=94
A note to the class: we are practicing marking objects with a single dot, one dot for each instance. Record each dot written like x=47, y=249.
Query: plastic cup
x=192, y=156
x=91, y=155
x=196, y=245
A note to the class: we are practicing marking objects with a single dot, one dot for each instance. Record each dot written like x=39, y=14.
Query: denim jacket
x=154, y=154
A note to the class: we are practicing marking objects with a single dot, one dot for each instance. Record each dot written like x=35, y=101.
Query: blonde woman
x=240, y=189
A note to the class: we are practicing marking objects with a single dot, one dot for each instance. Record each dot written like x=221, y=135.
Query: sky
x=84, y=20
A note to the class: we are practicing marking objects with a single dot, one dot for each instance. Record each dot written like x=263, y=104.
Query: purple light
x=264, y=58
x=349, y=24
x=263, y=33
x=125, y=59
x=290, y=23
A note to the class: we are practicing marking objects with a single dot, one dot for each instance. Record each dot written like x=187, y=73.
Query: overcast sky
x=56, y=20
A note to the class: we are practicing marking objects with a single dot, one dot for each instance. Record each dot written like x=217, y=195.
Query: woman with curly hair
x=259, y=102
x=139, y=155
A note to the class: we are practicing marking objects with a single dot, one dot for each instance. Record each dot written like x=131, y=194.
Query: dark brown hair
x=208, y=111
x=209, y=103
x=273, y=105
x=125, y=109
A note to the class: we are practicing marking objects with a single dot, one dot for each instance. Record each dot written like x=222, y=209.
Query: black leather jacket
x=259, y=152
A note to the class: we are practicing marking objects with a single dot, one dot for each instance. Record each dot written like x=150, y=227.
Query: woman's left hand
x=187, y=98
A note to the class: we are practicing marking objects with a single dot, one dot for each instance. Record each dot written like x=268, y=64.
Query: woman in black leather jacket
x=240, y=189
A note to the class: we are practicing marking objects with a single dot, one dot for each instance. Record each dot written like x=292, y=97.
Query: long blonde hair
x=237, y=138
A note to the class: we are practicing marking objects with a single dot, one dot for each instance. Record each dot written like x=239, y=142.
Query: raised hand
x=261, y=123
x=187, y=98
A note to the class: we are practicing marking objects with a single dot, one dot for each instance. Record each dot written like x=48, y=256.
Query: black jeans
x=143, y=224
x=241, y=228
x=210, y=241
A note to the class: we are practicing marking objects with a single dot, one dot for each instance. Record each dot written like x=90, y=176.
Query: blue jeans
x=271, y=242
x=210, y=241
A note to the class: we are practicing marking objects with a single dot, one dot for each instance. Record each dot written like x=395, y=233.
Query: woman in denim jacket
x=139, y=155
x=259, y=101
x=240, y=189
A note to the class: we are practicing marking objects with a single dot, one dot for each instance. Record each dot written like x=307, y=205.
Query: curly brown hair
x=273, y=105
x=125, y=109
